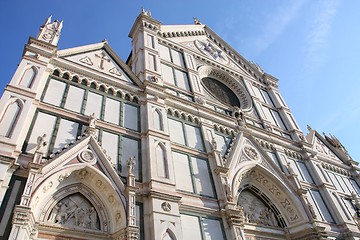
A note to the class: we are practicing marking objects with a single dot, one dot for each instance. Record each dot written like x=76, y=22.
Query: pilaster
x=7, y=168
x=145, y=49
x=132, y=231
x=27, y=84
x=23, y=224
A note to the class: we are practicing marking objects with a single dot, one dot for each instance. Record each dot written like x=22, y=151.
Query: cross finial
x=197, y=21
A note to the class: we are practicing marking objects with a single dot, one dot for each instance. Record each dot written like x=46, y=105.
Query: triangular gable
x=100, y=57
x=323, y=148
x=204, y=41
x=250, y=166
x=84, y=172
x=85, y=152
x=247, y=152
x=208, y=48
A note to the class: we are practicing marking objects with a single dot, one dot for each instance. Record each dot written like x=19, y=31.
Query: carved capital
x=22, y=215
x=234, y=215
x=129, y=233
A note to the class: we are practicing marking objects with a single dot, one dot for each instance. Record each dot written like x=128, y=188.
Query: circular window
x=220, y=91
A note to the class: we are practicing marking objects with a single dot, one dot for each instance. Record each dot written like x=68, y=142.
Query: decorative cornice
x=145, y=20
x=183, y=115
x=253, y=71
x=164, y=196
x=293, y=154
x=223, y=129
x=43, y=44
x=30, y=48
x=18, y=89
x=265, y=144
x=336, y=169
x=98, y=81
x=189, y=33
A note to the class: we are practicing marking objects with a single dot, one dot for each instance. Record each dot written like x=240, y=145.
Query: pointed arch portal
x=270, y=193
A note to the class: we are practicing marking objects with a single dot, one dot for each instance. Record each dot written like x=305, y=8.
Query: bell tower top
x=50, y=31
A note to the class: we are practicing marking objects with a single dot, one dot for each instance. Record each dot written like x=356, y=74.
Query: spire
x=145, y=12
x=50, y=31
x=48, y=20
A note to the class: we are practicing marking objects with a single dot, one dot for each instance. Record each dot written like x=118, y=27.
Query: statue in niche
x=75, y=210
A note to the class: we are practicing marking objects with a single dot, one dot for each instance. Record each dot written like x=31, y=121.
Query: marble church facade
x=185, y=140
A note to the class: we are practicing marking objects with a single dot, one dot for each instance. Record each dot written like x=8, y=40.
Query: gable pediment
x=207, y=48
x=247, y=153
x=84, y=153
x=322, y=148
x=101, y=58
x=207, y=43
x=81, y=172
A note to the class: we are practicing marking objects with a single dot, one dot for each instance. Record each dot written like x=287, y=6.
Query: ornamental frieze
x=286, y=205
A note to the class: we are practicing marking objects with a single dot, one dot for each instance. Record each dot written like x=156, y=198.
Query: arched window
x=28, y=77
x=161, y=161
x=9, y=118
x=157, y=120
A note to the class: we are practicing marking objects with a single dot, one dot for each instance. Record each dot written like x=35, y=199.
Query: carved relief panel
x=256, y=211
x=75, y=210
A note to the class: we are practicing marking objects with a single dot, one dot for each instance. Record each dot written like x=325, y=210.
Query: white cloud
x=317, y=40
x=276, y=25
x=341, y=117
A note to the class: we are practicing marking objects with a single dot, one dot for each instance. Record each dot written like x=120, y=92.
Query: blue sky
x=311, y=46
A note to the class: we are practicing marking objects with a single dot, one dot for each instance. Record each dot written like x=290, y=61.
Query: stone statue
x=239, y=116
x=213, y=144
x=131, y=165
x=228, y=191
x=311, y=208
x=92, y=120
x=289, y=168
x=356, y=204
x=41, y=142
